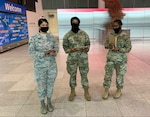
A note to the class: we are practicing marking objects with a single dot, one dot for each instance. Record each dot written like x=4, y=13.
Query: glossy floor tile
x=18, y=90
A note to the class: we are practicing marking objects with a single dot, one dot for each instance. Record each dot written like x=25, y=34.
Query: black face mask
x=75, y=28
x=44, y=29
x=116, y=30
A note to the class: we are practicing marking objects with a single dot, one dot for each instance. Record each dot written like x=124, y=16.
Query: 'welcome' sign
x=6, y=6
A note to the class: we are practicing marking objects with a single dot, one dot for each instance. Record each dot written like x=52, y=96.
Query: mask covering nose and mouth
x=75, y=27
x=116, y=30
x=44, y=29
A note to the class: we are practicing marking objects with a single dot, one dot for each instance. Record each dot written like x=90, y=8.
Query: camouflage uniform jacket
x=76, y=40
x=37, y=46
x=121, y=41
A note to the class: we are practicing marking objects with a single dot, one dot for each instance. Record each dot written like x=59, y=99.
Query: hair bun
x=42, y=17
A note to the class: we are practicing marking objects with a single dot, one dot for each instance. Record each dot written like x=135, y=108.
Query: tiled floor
x=18, y=96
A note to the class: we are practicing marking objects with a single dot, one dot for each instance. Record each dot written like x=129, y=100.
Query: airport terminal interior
x=18, y=90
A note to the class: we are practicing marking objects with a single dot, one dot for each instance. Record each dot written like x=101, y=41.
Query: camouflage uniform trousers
x=45, y=78
x=72, y=66
x=120, y=71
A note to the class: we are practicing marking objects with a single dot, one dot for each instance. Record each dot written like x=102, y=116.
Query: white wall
x=101, y=4
x=32, y=18
x=90, y=22
x=136, y=19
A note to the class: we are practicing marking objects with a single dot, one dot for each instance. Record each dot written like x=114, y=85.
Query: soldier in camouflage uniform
x=76, y=44
x=118, y=44
x=43, y=49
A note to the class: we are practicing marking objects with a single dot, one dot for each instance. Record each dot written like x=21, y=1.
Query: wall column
x=101, y=4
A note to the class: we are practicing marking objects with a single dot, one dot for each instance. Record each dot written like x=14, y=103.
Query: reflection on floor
x=18, y=95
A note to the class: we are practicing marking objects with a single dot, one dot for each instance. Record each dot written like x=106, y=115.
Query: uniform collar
x=39, y=35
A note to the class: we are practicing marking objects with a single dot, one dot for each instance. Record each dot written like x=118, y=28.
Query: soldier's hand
x=52, y=52
x=116, y=49
x=46, y=52
x=73, y=49
x=111, y=46
x=84, y=49
x=49, y=52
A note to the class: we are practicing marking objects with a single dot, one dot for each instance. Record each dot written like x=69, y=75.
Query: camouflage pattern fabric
x=45, y=68
x=116, y=59
x=78, y=58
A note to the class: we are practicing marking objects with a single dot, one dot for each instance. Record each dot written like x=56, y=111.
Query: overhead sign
x=13, y=23
x=6, y=6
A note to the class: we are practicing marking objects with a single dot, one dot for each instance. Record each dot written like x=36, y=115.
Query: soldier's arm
x=32, y=50
x=127, y=46
x=66, y=44
x=56, y=48
x=106, y=44
x=87, y=42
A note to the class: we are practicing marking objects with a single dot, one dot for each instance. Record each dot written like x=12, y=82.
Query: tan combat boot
x=117, y=94
x=87, y=95
x=105, y=94
x=72, y=94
